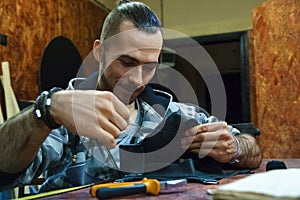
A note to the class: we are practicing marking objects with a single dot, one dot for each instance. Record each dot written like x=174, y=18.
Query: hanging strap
x=11, y=104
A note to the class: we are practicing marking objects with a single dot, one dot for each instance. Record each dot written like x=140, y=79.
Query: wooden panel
x=252, y=92
x=277, y=63
x=30, y=25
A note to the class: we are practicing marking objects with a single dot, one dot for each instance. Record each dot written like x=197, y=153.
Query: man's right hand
x=95, y=114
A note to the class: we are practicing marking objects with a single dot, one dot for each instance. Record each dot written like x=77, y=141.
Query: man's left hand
x=212, y=139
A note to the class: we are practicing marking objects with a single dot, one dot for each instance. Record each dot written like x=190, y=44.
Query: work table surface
x=190, y=191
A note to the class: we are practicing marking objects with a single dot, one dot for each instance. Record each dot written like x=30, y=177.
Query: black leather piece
x=173, y=127
x=164, y=143
x=182, y=169
x=171, y=130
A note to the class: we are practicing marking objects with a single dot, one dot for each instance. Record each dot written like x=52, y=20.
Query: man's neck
x=133, y=112
x=131, y=106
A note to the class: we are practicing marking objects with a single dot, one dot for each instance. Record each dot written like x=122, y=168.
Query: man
x=83, y=118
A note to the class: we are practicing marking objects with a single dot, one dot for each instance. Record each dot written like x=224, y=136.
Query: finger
x=109, y=127
x=204, y=145
x=106, y=139
x=114, y=110
x=193, y=143
x=202, y=153
x=196, y=130
x=187, y=141
x=216, y=126
x=207, y=136
x=202, y=128
x=210, y=127
x=202, y=137
x=121, y=108
x=118, y=120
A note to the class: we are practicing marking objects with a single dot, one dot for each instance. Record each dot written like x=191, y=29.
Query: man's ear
x=97, y=50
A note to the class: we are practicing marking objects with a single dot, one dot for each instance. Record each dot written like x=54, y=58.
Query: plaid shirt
x=55, y=157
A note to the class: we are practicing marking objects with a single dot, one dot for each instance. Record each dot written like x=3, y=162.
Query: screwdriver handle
x=151, y=186
x=107, y=193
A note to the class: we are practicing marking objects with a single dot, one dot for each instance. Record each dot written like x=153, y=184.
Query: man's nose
x=136, y=75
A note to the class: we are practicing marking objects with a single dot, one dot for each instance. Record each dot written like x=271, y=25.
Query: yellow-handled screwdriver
x=148, y=186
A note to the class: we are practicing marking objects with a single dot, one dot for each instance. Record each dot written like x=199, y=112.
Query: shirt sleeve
x=49, y=155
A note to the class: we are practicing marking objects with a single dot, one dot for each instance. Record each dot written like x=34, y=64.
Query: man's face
x=130, y=61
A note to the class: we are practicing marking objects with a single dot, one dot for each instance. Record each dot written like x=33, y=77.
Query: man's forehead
x=132, y=41
x=129, y=33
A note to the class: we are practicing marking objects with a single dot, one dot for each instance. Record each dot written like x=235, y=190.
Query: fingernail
x=183, y=142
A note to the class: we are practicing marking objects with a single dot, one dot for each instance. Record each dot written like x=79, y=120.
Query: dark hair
x=138, y=13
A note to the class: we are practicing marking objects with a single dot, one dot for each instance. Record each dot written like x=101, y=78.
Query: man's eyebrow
x=134, y=59
x=129, y=57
